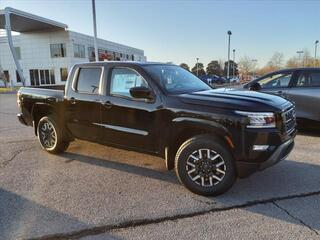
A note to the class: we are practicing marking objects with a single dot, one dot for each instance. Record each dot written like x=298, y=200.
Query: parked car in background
x=234, y=80
x=212, y=79
x=299, y=85
x=210, y=136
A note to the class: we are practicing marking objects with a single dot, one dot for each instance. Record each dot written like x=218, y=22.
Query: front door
x=127, y=121
x=277, y=83
x=305, y=93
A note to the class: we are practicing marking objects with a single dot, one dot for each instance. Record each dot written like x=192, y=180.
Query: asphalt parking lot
x=98, y=192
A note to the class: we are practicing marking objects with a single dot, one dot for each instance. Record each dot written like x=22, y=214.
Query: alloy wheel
x=206, y=167
x=48, y=134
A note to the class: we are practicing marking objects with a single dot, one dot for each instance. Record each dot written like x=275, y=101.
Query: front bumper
x=21, y=119
x=245, y=169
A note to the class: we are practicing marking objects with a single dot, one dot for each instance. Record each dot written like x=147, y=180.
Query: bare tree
x=308, y=61
x=293, y=62
x=305, y=60
x=276, y=61
x=246, y=65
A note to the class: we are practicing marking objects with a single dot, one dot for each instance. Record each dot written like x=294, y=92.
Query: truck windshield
x=176, y=80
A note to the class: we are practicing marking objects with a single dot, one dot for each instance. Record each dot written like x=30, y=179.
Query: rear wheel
x=205, y=166
x=50, y=135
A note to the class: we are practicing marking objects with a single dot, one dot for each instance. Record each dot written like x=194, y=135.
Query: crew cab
x=209, y=136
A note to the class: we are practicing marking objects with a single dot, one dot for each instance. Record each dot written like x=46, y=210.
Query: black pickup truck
x=209, y=136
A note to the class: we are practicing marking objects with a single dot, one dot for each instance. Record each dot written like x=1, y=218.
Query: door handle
x=51, y=99
x=107, y=104
x=280, y=92
x=72, y=100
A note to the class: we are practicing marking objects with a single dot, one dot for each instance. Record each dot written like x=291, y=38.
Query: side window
x=311, y=79
x=122, y=79
x=276, y=80
x=88, y=80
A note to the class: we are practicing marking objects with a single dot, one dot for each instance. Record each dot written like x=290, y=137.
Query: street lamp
x=197, y=67
x=229, y=35
x=300, y=53
x=315, y=52
x=95, y=30
x=234, y=58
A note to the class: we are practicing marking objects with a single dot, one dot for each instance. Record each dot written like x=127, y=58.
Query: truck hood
x=236, y=99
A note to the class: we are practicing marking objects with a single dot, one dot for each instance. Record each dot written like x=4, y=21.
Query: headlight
x=259, y=119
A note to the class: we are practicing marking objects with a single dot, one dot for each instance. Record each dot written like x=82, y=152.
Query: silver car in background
x=299, y=85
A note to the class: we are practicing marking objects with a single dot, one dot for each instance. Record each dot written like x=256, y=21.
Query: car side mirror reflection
x=255, y=86
x=141, y=92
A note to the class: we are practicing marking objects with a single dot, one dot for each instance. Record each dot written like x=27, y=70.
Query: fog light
x=260, y=147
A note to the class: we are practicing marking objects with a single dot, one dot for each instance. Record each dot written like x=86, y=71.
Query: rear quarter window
x=309, y=79
x=88, y=80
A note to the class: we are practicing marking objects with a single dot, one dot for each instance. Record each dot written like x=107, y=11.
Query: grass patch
x=7, y=90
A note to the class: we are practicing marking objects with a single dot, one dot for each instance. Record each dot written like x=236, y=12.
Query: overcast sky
x=179, y=31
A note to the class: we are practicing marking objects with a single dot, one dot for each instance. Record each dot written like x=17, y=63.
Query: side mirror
x=255, y=86
x=141, y=92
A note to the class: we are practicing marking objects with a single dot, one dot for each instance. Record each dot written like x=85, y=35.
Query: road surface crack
x=14, y=155
x=142, y=222
x=296, y=218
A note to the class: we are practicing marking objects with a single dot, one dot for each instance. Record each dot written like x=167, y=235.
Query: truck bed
x=41, y=93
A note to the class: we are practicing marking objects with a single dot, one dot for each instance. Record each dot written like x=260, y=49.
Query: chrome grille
x=289, y=118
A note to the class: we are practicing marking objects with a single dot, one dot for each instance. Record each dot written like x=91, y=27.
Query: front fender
x=190, y=122
x=183, y=128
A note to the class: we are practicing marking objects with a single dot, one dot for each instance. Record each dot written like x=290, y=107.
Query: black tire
x=201, y=177
x=50, y=135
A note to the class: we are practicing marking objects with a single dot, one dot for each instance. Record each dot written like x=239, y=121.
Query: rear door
x=277, y=83
x=83, y=103
x=305, y=93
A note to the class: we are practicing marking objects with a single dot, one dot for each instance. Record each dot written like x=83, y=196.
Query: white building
x=46, y=56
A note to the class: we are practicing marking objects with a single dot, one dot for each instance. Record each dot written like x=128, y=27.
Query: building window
x=79, y=51
x=52, y=77
x=91, y=54
x=132, y=57
x=6, y=75
x=34, y=77
x=18, y=77
x=58, y=50
x=42, y=77
x=18, y=52
x=63, y=74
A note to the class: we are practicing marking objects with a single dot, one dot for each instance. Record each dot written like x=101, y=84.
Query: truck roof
x=122, y=63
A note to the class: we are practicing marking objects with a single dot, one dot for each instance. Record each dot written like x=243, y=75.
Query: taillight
x=18, y=99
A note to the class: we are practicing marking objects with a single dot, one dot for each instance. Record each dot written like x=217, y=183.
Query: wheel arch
x=40, y=110
x=186, y=128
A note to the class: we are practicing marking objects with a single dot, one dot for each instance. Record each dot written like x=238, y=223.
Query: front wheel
x=50, y=135
x=205, y=166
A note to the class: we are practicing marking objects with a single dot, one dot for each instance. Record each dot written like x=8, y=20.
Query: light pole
x=197, y=67
x=95, y=30
x=315, y=52
x=254, y=61
x=229, y=35
x=234, y=58
x=300, y=53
